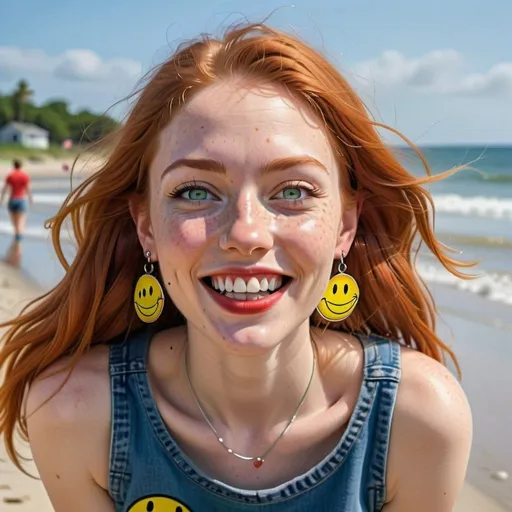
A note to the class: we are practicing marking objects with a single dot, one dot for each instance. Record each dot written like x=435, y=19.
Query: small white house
x=24, y=134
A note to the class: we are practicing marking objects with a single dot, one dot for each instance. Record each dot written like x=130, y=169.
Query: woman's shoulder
x=72, y=393
x=67, y=407
x=71, y=389
x=430, y=394
x=432, y=426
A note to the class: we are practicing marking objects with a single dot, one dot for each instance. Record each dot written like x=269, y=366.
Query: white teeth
x=246, y=296
x=239, y=286
x=253, y=285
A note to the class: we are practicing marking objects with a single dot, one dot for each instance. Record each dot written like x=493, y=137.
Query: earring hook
x=148, y=267
x=342, y=267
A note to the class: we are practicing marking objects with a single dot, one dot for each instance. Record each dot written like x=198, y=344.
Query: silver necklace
x=257, y=461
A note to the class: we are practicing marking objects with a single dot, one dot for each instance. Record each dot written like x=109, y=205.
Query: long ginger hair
x=93, y=302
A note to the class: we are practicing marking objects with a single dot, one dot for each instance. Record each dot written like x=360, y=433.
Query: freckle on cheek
x=267, y=140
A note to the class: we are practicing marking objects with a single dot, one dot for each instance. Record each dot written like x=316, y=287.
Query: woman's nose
x=250, y=227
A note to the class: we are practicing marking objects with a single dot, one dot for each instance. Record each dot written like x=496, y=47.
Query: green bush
x=54, y=116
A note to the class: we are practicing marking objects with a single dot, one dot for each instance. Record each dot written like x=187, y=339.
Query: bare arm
x=4, y=191
x=65, y=442
x=431, y=439
x=29, y=194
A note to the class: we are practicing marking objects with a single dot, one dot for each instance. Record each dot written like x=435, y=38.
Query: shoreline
x=86, y=165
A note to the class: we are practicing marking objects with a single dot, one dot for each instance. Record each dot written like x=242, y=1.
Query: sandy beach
x=18, y=491
x=480, y=329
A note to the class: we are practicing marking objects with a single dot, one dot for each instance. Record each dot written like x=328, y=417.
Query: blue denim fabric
x=149, y=472
x=17, y=205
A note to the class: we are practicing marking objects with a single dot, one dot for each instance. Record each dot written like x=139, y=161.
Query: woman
x=190, y=360
x=18, y=182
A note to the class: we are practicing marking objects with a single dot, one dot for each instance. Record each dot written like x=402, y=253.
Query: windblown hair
x=92, y=304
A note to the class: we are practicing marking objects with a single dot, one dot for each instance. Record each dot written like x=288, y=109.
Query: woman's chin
x=247, y=339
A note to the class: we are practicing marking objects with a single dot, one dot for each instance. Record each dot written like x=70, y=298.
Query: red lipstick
x=247, y=307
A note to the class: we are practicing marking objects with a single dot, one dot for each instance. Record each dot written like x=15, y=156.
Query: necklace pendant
x=257, y=463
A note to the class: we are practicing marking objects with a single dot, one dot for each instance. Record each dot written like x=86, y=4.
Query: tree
x=6, y=110
x=55, y=116
x=20, y=98
x=59, y=107
x=88, y=127
x=51, y=121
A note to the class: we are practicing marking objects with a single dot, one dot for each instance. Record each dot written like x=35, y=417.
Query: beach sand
x=18, y=491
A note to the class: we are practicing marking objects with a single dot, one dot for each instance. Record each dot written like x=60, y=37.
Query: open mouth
x=246, y=288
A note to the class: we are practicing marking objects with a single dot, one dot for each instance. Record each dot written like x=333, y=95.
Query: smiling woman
x=242, y=326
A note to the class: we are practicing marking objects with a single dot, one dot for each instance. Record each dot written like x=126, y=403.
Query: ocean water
x=473, y=216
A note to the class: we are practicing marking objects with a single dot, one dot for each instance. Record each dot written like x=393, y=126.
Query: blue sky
x=439, y=71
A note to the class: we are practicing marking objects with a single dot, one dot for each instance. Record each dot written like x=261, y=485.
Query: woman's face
x=245, y=214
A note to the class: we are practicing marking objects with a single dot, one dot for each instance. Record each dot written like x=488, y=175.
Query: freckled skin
x=245, y=219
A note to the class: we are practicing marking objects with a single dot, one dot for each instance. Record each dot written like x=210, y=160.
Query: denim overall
x=149, y=472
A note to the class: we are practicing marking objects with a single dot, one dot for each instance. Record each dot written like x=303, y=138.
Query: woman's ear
x=141, y=217
x=348, y=229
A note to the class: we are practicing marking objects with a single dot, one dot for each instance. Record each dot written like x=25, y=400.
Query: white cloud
x=497, y=80
x=393, y=68
x=439, y=72
x=72, y=65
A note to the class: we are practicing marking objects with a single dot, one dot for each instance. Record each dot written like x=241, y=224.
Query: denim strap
x=126, y=357
x=382, y=369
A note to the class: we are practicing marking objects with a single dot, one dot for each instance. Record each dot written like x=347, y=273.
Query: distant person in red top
x=18, y=181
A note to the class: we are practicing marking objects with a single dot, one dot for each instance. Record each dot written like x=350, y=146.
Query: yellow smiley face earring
x=340, y=297
x=148, y=297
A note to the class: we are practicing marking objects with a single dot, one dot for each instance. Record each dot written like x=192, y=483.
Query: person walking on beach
x=242, y=327
x=18, y=183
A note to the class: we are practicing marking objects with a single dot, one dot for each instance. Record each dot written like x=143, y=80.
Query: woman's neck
x=254, y=393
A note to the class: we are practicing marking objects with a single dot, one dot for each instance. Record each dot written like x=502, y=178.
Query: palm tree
x=20, y=97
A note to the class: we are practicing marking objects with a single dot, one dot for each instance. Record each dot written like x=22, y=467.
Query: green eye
x=292, y=193
x=196, y=194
